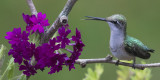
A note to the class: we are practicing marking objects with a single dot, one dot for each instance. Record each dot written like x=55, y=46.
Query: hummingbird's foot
x=133, y=66
x=117, y=63
x=134, y=61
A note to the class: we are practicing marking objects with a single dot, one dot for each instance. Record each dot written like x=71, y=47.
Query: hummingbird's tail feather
x=151, y=50
x=144, y=56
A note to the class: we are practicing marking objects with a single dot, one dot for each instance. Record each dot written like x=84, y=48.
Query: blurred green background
x=143, y=18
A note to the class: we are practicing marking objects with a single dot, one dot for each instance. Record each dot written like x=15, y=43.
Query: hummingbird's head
x=116, y=21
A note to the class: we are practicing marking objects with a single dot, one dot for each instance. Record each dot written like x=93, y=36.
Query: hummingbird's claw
x=134, y=62
x=117, y=63
x=133, y=66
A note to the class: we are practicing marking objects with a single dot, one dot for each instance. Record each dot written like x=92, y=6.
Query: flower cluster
x=36, y=23
x=46, y=55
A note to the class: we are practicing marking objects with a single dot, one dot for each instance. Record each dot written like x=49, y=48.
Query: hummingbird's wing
x=135, y=47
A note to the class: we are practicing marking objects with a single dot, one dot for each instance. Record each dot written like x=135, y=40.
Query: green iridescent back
x=137, y=48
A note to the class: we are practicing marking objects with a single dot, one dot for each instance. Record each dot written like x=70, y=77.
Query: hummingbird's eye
x=114, y=22
x=117, y=22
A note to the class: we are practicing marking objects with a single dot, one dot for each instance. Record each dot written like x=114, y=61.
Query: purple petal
x=26, y=18
x=67, y=41
x=22, y=67
x=34, y=19
x=29, y=28
x=74, y=38
x=67, y=32
x=52, y=42
x=45, y=23
x=61, y=31
x=9, y=35
x=78, y=34
x=63, y=45
x=59, y=38
x=41, y=16
x=35, y=28
x=40, y=29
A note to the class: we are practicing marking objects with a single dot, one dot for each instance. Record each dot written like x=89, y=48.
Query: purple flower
x=45, y=55
x=39, y=22
x=77, y=48
x=28, y=50
x=28, y=69
x=70, y=63
x=24, y=50
x=71, y=60
x=16, y=37
x=46, y=49
x=36, y=23
x=63, y=37
x=46, y=60
x=77, y=36
x=52, y=45
x=29, y=23
x=58, y=66
x=78, y=43
x=17, y=55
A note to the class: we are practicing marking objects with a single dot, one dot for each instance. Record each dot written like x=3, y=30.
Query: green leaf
x=11, y=69
x=2, y=51
x=94, y=75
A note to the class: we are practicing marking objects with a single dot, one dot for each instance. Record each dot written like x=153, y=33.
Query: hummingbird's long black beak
x=95, y=18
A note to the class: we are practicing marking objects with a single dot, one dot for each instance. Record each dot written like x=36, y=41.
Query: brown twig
x=108, y=59
x=32, y=7
x=54, y=27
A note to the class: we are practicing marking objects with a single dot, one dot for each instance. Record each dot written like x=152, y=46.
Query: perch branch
x=32, y=7
x=67, y=8
x=108, y=59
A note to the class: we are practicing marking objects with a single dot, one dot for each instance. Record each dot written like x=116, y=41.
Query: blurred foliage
x=2, y=51
x=11, y=67
x=124, y=73
x=127, y=73
x=9, y=70
x=22, y=77
x=94, y=74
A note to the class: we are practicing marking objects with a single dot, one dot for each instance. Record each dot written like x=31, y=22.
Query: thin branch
x=32, y=7
x=66, y=10
x=108, y=59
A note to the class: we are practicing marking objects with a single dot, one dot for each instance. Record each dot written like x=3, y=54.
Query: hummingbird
x=123, y=46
